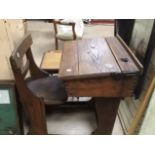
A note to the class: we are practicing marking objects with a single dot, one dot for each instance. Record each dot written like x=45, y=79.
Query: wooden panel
x=5, y=52
x=51, y=60
x=106, y=111
x=125, y=62
x=132, y=55
x=105, y=87
x=87, y=58
x=69, y=60
x=96, y=58
x=9, y=34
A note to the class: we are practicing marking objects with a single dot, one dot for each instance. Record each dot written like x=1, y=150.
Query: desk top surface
x=96, y=58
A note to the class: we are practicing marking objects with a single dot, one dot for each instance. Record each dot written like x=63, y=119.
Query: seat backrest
x=21, y=65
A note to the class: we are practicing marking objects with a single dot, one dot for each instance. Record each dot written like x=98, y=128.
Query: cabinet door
x=9, y=122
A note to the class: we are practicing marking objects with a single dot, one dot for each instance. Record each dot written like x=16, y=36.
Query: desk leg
x=106, y=111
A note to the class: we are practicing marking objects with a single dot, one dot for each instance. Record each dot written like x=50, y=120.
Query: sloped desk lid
x=97, y=57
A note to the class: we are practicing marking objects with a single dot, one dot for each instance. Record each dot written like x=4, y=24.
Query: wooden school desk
x=102, y=68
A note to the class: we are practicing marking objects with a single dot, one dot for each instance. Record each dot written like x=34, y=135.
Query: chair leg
x=37, y=116
x=56, y=43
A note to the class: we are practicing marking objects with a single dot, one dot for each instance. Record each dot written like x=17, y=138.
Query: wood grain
x=69, y=61
x=96, y=58
x=106, y=111
x=87, y=58
x=134, y=58
x=125, y=62
x=100, y=69
x=51, y=60
x=89, y=75
x=97, y=87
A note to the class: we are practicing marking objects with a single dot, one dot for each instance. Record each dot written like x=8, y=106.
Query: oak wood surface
x=95, y=57
x=87, y=58
x=134, y=58
x=69, y=60
x=51, y=60
x=124, y=60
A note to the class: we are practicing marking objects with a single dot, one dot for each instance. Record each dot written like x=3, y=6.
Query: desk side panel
x=102, y=87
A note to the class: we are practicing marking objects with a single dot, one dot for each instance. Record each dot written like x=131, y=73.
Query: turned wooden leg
x=106, y=112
